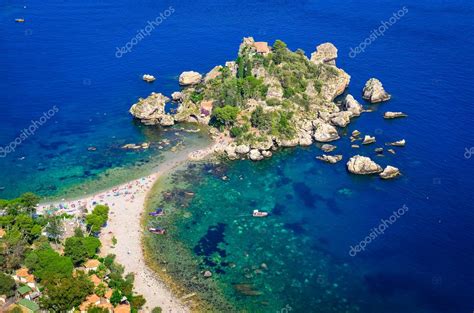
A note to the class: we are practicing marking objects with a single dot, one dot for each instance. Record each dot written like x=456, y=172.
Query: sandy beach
x=126, y=203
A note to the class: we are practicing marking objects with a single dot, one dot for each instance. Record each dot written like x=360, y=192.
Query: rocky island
x=269, y=97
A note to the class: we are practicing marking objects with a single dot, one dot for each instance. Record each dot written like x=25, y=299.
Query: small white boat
x=19, y=20
x=257, y=213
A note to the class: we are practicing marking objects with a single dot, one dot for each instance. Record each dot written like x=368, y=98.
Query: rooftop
x=24, y=290
x=92, y=263
x=262, y=47
x=30, y=305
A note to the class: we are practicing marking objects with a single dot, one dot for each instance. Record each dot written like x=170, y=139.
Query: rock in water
x=177, y=96
x=151, y=111
x=255, y=155
x=374, y=91
x=352, y=105
x=189, y=78
x=362, y=165
x=355, y=133
x=327, y=147
x=399, y=143
x=368, y=140
x=325, y=53
x=325, y=132
x=390, y=115
x=242, y=149
x=341, y=119
x=390, y=172
x=330, y=158
x=207, y=274
x=149, y=78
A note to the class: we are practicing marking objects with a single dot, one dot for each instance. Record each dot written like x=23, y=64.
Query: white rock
x=177, y=96
x=242, y=149
x=330, y=158
x=189, y=78
x=149, y=78
x=390, y=172
x=325, y=133
x=255, y=155
x=352, y=105
x=325, y=53
x=374, y=91
x=362, y=165
x=341, y=119
x=368, y=140
x=390, y=115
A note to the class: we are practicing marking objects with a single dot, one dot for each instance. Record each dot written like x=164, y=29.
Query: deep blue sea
x=64, y=55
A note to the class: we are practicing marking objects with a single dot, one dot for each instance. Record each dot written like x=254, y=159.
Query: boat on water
x=157, y=212
x=157, y=231
x=20, y=20
x=257, y=213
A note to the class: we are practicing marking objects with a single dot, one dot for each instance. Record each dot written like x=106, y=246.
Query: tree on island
x=63, y=294
x=226, y=115
x=47, y=264
x=81, y=248
x=7, y=285
x=97, y=218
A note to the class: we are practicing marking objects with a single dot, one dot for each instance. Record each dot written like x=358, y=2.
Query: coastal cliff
x=269, y=97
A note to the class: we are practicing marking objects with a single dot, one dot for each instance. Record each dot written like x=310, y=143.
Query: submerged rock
x=390, y=115
x=374, y=91
x=362, y=165
x=330, y=158
x=189, y=78
x=390, y=172
x=207, y=274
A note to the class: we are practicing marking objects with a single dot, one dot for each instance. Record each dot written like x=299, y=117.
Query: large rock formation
x=325, y=132
x=352, y=105
x=341, y=119
x=362, y=165
x=189, y=78
x=214, y=73
x=325, y=53
x=151, y=111
x=374, y=91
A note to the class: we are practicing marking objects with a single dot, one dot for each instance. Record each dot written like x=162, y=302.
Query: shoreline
x=127, y=208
